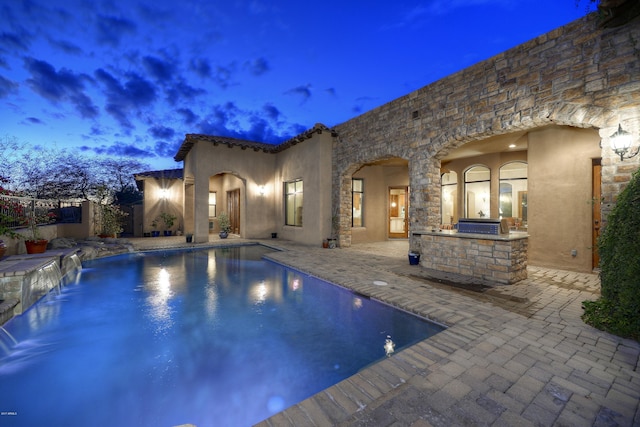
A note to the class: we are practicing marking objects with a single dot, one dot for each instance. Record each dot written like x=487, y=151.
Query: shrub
x=618, y=309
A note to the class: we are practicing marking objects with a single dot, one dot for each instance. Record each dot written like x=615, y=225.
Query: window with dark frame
x=293, y=202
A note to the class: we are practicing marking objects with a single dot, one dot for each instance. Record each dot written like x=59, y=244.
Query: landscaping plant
x=618, y=309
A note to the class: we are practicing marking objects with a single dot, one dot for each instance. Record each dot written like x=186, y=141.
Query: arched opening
x=226, y=194
x=378, y=202
x=541, y=181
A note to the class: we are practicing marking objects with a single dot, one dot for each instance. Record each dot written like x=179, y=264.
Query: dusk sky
x=131, y=78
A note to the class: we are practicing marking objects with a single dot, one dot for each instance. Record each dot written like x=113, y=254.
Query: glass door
x=398, y=212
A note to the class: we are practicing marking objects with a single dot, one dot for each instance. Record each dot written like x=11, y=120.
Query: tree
x=52, y=173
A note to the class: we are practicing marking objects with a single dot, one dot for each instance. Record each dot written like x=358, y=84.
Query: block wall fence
x=578, y=75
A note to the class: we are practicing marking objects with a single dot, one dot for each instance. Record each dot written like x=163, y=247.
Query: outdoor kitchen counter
x=498, y=259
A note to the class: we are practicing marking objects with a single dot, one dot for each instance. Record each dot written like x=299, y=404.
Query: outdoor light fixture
x=164, y=193
x=262, y=190
x=621, y=142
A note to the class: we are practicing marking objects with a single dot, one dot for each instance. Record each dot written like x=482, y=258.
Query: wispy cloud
x=303, y=92
x=124, y=99
x=60, y=86
x=7, y=87
x=258, y=66
x=111, y=29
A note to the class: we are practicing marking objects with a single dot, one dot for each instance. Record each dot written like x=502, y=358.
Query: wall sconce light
x=621, y=142
x=261, y=190
x=164, y=193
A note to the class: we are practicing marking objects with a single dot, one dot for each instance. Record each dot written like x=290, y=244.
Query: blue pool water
x=211, y=337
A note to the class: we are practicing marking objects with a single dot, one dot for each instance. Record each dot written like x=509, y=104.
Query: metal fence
x=14, y=211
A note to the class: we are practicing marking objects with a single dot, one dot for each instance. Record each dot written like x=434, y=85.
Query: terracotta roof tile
x=191, y=138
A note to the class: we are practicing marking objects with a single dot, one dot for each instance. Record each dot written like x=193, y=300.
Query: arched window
x=449, y=197
x=513, y=191
x=477, y=192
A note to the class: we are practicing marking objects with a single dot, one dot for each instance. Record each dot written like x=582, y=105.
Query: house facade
x=524, y=136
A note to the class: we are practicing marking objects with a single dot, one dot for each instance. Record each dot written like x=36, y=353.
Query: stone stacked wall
x=578, y=75
x=494, y=261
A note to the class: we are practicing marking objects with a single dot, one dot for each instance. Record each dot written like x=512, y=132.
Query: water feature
x=37, y=283
x=207, y=337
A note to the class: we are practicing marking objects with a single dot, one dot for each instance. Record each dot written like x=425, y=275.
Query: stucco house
x=525, y=136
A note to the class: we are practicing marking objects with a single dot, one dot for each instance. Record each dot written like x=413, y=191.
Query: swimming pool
x=207, y=337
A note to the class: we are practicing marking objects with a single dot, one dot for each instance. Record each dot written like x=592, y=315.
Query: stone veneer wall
x=495, y=261
x=577, y=75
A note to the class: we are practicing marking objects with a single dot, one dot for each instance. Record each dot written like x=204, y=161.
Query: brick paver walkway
x=512, y=355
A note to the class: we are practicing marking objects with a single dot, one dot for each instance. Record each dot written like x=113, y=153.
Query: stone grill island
x=480, y=250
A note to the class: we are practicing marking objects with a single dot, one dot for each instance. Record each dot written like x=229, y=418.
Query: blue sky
x=131, y=78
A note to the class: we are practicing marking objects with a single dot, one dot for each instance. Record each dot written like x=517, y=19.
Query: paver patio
x=514, y=355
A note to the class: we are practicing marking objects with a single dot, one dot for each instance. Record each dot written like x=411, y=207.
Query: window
x=212, y=209
x=357, y=195
x=477, y=191
x=449, y=202
x=293, y=203
x=513, y=191
x=212, y=204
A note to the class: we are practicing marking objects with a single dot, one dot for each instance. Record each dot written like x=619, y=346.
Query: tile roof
x=191, y=138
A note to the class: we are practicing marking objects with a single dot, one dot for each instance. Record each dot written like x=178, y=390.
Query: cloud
x=302, y=91
x=66, y=47
x=223, y=75
x=15, y=42
x=34, y=120
x=271, y=112
x=125, y=99
x=188, y=116
x=182, y=90
x=121, y=149
x=111, y=29
x=227, y=120
x=201, y=67
x=161, y=70
x=257, y=67
x=60, y=86
x=166, y=149
x=7, y=87
x=162, y=132
x=420, y=14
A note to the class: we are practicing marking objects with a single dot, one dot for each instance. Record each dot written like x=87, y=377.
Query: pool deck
x=515, y=355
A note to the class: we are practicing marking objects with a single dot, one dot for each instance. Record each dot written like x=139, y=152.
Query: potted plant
x=168, y=220
x=111, y=221
x=33, y=241
x=154, y=225
x=189, y=237
x=225, y=225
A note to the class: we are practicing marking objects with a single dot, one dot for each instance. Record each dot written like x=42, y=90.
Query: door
x=398, y=212
x=596, y=170
x=233, y=209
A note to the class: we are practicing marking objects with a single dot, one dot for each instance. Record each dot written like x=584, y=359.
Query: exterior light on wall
x=261, y=190
x=621, y=143
x=164, y=193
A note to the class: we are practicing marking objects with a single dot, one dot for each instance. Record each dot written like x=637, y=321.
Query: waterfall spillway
x=41, y=281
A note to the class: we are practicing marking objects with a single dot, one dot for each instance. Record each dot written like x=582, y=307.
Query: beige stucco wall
x=238, y=168
x=311, y=162
x=222, y=168
x=154, y=204
x=560, y=193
